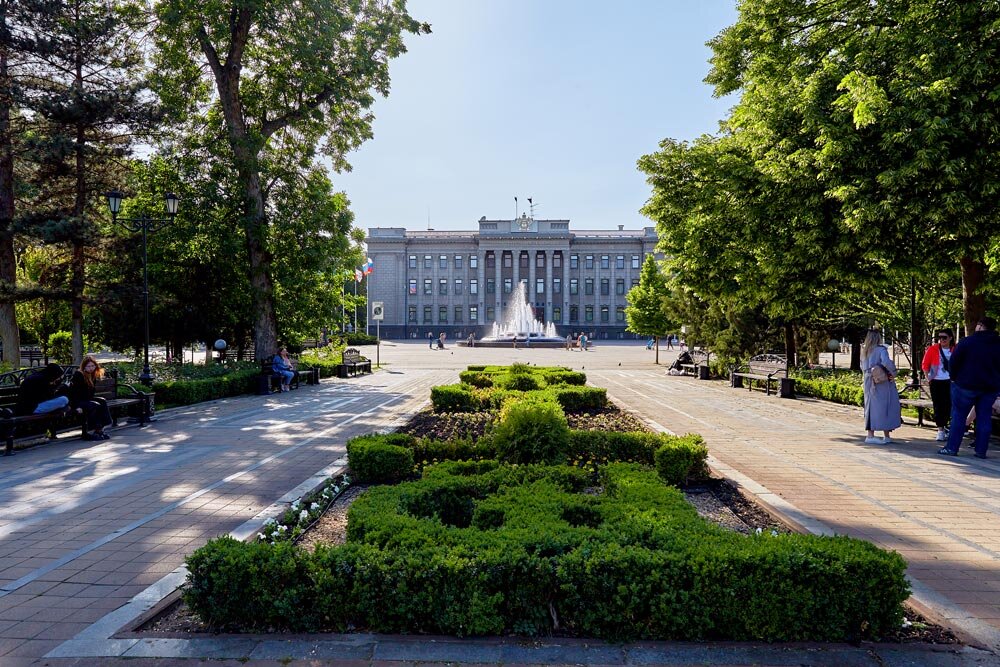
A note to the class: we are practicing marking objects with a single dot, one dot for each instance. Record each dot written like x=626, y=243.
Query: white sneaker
x=941, y=436
x=873, y=441
x=886, y=441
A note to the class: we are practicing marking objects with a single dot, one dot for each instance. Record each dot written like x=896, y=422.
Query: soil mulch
x=717, y=500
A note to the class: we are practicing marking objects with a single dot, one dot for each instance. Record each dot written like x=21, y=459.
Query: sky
x=550, y=99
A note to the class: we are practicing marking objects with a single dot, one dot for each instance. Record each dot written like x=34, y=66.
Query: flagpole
x=367, y=309
x=355, y=306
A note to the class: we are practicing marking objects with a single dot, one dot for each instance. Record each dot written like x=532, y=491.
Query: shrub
x=611, y=446
x=531, y=431
x=381, y=458
x=427, y=450
x=453, y=398
x=565, y=377
x=580, y=399
x=519, y=382
x=826, y=390
x=186, y=392
x=361, y=339
x=681, y=460
x=476, y=379
x=476, y=368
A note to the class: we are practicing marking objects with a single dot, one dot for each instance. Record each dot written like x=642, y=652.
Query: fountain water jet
x=520, y=326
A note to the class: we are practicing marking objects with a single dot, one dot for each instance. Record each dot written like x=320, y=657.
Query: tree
x=644, y=314
x=287, y=75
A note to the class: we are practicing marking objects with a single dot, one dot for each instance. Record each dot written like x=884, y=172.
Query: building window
x=443, y=315
x=491, y=260
x=491, y=286
x=557, y=313
x=574, y=286
x=574, y=262
x=427, y=261
x=490, y=313
x=427, y=315
x=540, y=260
x=620, y=286
x=635, y=282
x=508, y=260
x=557, y=286
x=428, y=289
x=540, y=312
x=605, y=287
x=605, y=314
x=522, y=260
x=619, y=313
x=507, y=285
x=458, y=261
x=458, y=314
x=540, y=286
x=574, y=313
x=411, y=312
x=635, y=261
x=413, y=286
x=473, y=286
x=620, y=262
x=588, y=262
x=443, y=261
x=412, y=262
x=605, y=261
x=458, y=286
x=588, y=314
x=588, y=286
x=474, y=314
x=473, y=261
x=557, y=260
x=443, y=286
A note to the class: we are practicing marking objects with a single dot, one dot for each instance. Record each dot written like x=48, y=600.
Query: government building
x=460, y=282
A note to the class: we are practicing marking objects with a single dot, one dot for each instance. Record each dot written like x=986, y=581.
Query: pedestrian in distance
x=430, y=340
x=670, y=341
x=882, y=412
x=282, y=365
x=37, y=392
x=82, y=396
x=441, y=341
x=975, y=383
x=472, y=340
x=650, y=343
x=583, y=342
x=569, y=342
x=935, y=365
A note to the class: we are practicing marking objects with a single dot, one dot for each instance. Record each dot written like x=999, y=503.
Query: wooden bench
x=352, y=364
x=271, y=380
x=699, y=364
x=32, y=356
x=922, y=404
x=767, y=369
x=137, y=404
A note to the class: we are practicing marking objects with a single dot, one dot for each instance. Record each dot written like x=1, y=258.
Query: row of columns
x=549, y=296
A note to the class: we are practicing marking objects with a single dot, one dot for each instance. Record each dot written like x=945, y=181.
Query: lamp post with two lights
x=146, y=225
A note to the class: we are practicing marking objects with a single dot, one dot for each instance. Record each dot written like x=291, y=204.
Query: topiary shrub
x=682, y=460
x=580, y=399
x=453, y=398
x=376, y=459
x=476, y=379
x=531, y=431
x=565, y=377
x=519, y=382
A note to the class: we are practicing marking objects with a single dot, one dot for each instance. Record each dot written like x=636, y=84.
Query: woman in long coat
x=882, y=411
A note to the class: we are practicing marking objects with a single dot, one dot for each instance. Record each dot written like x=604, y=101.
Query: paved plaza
x=94, y=534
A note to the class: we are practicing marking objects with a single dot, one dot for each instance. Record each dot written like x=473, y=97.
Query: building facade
x=460, y=282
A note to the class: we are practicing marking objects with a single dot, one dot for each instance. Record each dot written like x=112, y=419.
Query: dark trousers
x=941, y=397
x=962, y=402
x=96, y=412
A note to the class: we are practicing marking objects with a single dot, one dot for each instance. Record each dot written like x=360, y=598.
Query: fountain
x=520, y=327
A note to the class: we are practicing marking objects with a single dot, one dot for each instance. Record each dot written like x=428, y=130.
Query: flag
x=358, y=276
x=369, y=266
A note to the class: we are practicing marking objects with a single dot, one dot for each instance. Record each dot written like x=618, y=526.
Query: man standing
x=975, y=383
x=37, y=393
x=430, y=340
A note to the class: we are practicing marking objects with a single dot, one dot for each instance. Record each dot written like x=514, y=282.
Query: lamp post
x=146, y=225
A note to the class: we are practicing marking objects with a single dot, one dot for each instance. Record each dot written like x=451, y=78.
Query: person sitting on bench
x=82, y=399
x=37, y=393
x=283, y=367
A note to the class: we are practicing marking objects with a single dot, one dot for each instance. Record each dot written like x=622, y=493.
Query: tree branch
x=269, y=127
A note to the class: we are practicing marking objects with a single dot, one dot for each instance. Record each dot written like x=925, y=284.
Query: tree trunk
x=77, y=269
x=973, y=301
x=9, y=334
x=790, y=345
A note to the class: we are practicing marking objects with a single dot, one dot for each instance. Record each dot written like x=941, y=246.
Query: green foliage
x=358, y=338
x=186, y=392
x=454, y=398
x=555, y=377
x=61, y=347
x=846, y=394
x=645, y=313
x=476, y=379
x=609, y=446
x=682, y=460
x=519, y=381
x=531, y=431
x=580, y=399
x=378, y=459
x=482, y=548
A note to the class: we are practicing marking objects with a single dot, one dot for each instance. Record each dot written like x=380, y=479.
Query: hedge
x=847, y=394
x=482, y=548
x=380, y=458
x=186, y=392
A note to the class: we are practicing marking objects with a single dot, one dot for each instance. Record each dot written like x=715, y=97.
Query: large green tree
x=287, y=75
x=645, y=314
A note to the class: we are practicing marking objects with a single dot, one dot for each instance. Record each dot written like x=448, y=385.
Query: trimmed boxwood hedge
x=380, y=458
x=186, y=392
x=483, y=548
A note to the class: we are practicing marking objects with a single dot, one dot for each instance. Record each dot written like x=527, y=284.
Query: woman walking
x=82, y=398
x=882, y=411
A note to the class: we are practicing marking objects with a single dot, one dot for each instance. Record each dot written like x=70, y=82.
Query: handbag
x=879, y=374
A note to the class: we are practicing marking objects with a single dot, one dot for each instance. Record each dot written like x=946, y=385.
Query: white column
x=480, y=298
x=549, y=303
x=498, y=287
x=565, y=287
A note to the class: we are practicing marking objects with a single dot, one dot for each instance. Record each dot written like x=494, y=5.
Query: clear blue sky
x=549, y=99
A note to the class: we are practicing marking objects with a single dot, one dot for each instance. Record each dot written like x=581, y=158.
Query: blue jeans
x=286, y=376
x=962, y=401
x=51, y=405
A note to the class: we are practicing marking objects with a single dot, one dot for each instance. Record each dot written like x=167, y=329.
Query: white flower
x=303, y=515
x=760, y=530
x=906, y=623
x=295, y=505
x=271, y=522
x=336, y=489
x=281, y=529
x=314, y=507
x=260, y=536
x=774, y=533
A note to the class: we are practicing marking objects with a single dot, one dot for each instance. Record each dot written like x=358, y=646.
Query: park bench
x=32, y=356
x=352, y=364
x=136, y=403
x=270, y=380
x=699, y=364
x=923, y=404
x=766, y=369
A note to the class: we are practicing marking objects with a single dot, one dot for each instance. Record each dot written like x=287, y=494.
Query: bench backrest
x=768, y=364
x=106, y=387
x=351, y=356
x=700, y=357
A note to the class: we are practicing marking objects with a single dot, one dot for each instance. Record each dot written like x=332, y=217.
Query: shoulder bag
x=879, y=374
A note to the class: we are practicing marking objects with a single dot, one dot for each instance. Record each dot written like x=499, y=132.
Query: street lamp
x=146, y=225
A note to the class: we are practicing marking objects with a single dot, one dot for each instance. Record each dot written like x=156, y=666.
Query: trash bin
x=263, y=385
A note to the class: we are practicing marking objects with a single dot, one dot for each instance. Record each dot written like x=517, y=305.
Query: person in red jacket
x=936, y=366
